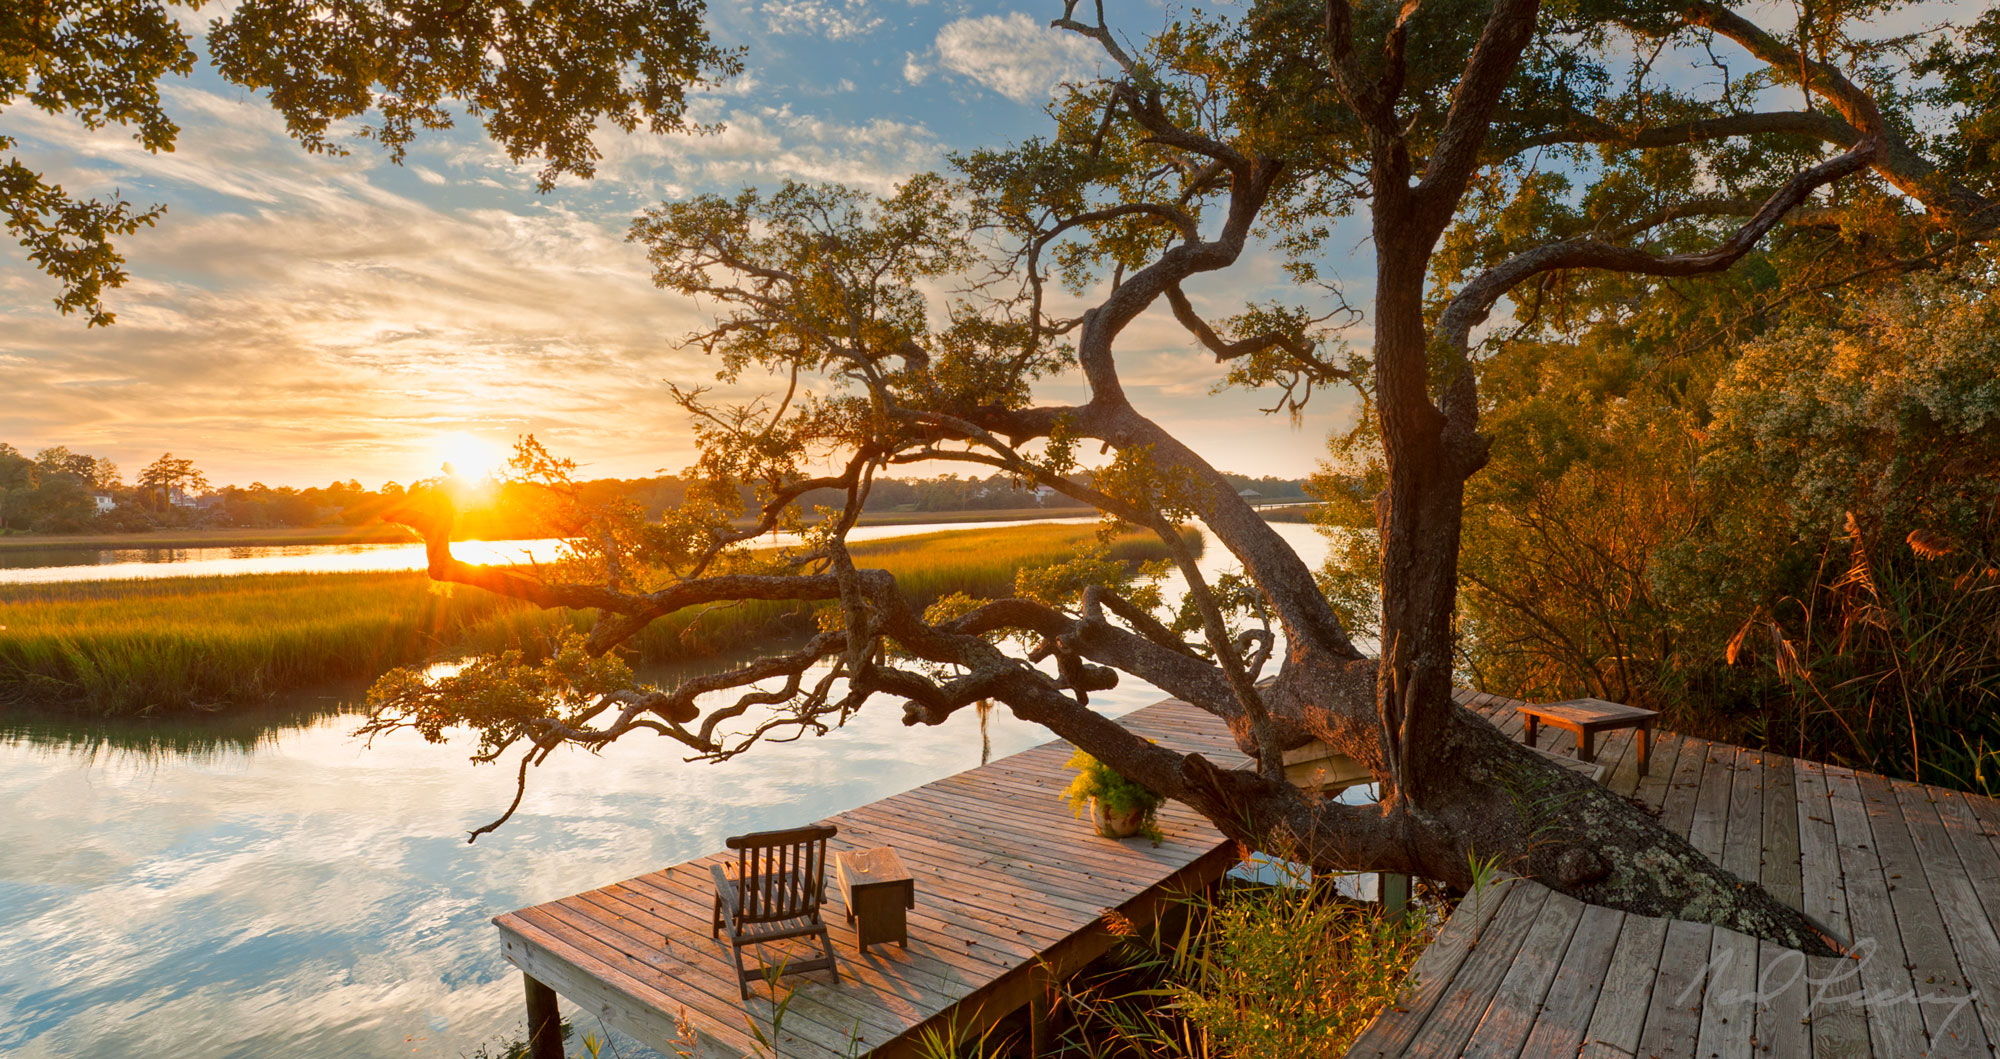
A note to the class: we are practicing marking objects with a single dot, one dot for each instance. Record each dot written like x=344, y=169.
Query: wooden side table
x=878, y=891
x=1587, y=717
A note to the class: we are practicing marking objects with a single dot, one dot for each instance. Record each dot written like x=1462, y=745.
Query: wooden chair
x=773, y=892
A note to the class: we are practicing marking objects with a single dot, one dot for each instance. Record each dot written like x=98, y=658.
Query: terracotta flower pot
x=1116, y=825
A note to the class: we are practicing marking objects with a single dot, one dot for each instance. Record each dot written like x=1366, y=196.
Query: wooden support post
x=1393, y=889
x=1045, y=1013
x=1038, y=1019
x=544, y=1021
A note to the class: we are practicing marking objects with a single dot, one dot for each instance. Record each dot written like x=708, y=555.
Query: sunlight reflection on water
x=266, y=885
x=46, y=566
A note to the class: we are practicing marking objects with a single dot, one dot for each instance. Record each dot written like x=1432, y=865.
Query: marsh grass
x=1247, y=972
x=193, y=643
x=1255, y=971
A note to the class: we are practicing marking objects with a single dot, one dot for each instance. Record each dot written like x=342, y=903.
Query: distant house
x=1250, y=496
x=1043, y=493
x=104, y=502
x=178, y=497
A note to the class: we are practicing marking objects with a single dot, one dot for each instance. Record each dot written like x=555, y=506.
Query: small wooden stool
x=878, y=891
x=1587, y=717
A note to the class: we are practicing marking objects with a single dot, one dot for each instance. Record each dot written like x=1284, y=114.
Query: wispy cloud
x=768, y=144
x=1015, y=55
x=832, y=19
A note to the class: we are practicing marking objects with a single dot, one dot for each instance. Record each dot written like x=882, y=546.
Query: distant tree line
x=57, y=491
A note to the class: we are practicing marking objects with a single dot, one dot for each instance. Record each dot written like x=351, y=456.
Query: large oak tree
x=1210, y=135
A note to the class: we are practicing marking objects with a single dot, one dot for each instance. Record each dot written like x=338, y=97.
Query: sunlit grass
x=1253, y=971
x=194, y=642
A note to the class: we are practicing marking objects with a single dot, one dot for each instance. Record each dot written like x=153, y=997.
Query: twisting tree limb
x=1476, y=299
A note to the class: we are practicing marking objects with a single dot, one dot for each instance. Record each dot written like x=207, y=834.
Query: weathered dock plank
x=1504, y=1028
x=1393, y=1028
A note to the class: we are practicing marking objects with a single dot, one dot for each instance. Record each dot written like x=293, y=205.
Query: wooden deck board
x=1729, y=1010
x=1973, y=938
x=1933, y=964
x=1614, y=1028
x=1673, y=1014
x=1449, y=1027
x=1573, y=996
x=1837, y=1023
x=1782, y=991
x=1393, y=1028
x=1893, y=1023
x=1504, y=1029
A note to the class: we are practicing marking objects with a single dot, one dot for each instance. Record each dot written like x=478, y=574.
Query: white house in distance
x=179, y=498
x=104, y=502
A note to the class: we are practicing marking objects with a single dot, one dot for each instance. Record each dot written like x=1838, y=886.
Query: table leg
x=1534, y=723
x=1586, y=746
x=1645, y=747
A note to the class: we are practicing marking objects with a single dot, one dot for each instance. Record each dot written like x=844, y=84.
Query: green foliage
x=1251, y=972
x=51, y=493
x=540, y=74
x=1964, y=70
x=1132, y=562
x=1892, y=413
x=169, y=473
x=1096, y=780
x=499, y=693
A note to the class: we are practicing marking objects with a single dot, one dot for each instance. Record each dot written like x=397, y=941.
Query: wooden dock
x=1909, y=873
x=1010, y=888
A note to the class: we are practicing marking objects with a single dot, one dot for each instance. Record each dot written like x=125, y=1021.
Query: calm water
x=43, y=565
x=268, y=886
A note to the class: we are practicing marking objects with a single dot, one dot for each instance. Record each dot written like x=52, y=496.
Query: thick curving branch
x=1900, y=164
x=1300, y=351
x=1476, y=299
x=1456, y=156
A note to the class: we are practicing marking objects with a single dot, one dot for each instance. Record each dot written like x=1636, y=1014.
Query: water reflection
x=199, y=739
x=46, y=565
x=40, y=566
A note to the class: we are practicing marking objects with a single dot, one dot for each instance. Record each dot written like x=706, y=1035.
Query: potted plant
x=1119, y=807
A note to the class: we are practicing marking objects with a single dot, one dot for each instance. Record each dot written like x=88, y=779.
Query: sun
x=469, y=456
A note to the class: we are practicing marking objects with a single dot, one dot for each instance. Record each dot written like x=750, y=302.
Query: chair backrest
x=780, y=874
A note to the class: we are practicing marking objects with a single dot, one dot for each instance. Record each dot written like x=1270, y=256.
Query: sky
x=296, y=319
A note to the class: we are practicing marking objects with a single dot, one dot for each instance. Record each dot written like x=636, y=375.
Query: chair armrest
x=725, y=892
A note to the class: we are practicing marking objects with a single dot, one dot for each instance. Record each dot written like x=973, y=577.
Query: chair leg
x=742, y=975
x=715, y=922
x=826, y=945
